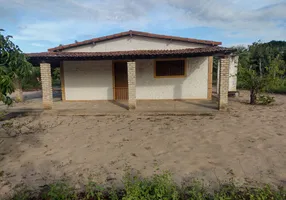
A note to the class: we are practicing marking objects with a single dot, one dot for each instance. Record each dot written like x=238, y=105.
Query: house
x=135, y=66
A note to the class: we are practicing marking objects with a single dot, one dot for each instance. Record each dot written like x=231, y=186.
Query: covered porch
x=47, y=60
x=33, y=104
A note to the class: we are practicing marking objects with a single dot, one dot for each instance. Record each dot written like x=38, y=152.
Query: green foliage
x=60, y=191
x=13, y=66
x=261, y=68
x=93, y=191
x=265, y=99
x=158, y=187
x=32, y=82
x=22, y=194
x=56, y=76
x=195, y=191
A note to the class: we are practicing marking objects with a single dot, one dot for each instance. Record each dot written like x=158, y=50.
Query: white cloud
x=262, y=22
x=57, y=21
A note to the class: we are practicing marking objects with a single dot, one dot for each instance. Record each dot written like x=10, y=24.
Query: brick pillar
x=223, y=83
x=217, y=77
x=131, y=70
x=46, y=80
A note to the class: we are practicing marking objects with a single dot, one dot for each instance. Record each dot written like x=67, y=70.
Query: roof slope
x=136, y=33
x=135, y=54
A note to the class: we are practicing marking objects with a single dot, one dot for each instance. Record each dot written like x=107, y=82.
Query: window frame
x=171, y=76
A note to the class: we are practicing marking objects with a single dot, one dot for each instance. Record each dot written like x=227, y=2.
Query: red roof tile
x=136, y=54
x=137, y=33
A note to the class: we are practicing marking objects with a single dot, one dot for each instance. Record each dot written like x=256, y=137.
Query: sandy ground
x=248, y=142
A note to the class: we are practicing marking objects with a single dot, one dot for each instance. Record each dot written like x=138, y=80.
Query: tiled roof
x=136, y=54
x=136, y=33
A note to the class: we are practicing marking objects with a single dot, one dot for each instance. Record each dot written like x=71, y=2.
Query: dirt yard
x=248, y=142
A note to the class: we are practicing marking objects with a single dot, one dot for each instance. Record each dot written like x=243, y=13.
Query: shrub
x=194, y=191
x=59, y=191
x=158, y=187
x=93, y=191
x=22, y=194
x=265, y=99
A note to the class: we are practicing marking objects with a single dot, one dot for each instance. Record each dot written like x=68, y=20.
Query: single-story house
x=134, y=66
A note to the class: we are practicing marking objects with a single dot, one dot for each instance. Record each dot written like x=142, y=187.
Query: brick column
x=223, y=83
x=131, y=70
x=217, y=77
x=46, y=80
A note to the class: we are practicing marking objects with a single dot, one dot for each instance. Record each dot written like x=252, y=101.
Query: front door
x=120, y=81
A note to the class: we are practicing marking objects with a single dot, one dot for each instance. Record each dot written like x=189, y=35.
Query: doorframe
x=113, y=74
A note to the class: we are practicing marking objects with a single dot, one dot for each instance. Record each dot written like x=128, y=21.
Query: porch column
x=46, y=80
x=223, y=83
x=217, y=76
x=131, y=71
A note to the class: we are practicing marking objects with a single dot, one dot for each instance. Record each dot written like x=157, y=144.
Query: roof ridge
x=138, y=33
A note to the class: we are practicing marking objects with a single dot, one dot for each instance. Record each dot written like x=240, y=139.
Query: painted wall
x=92, y=80
x=88, y=80
x=233, y=64
x=193, y=86
x=133, y=43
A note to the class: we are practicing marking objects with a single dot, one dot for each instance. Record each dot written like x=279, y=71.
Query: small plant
x=265, y=99
x=194, y=191
x=22, y=194
x=93, y=190
x=114, y=194
x=160, y=186
x=228, y=191
x=60, y=191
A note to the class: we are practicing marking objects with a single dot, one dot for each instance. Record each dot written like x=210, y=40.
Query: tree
x=13, y=68
x=257, y=73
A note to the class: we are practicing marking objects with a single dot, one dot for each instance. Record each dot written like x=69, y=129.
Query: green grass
x=157, y=187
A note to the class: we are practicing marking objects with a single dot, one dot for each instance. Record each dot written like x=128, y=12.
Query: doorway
x=120, y=78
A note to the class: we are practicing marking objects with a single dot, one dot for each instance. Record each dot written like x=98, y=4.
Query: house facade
x=135, y=66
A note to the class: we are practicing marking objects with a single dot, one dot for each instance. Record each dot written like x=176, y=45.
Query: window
x=170, y=68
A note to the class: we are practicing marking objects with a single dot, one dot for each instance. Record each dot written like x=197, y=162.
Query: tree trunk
x=18, y=90
x=253, y=97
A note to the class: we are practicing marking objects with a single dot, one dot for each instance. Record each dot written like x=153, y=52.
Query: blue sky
x=37, y=25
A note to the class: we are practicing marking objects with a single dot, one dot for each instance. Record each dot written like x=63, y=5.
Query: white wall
x=92, y=80
x=233, y=64
x=88, y=80
x=133, y=43
x=193, y=86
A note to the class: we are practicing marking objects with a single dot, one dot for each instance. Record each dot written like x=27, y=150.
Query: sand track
x=248, y=141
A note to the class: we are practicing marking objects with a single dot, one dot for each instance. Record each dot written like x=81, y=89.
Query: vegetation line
x=158, y=187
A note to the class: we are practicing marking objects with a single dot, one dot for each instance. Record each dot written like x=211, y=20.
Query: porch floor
x=104, y=107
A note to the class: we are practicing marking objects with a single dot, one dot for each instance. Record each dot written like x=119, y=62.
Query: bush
x=265, y=99
x=59, y=191
x=279, y=89
x=158, y=187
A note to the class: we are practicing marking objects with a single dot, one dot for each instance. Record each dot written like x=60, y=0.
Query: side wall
x=88, y=80
x=193, y=86
x=92, y=80
x=233, y=64
x=133, y=43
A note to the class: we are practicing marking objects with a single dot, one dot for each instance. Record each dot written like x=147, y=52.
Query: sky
x=37, y=25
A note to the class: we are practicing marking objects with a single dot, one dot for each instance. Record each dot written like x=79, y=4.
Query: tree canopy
x=13, y=67
x=261, y=67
